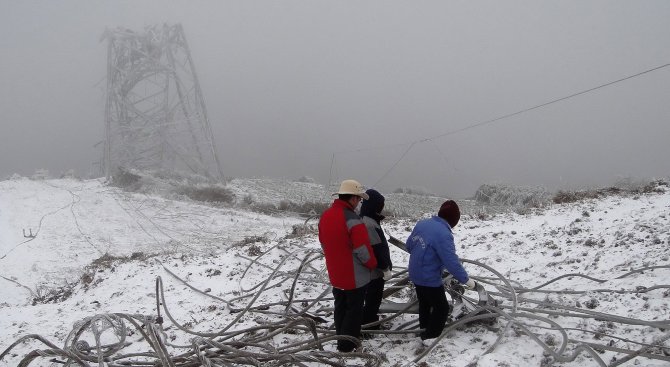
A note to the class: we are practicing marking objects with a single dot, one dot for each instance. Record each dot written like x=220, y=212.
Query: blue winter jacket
x=431, y=248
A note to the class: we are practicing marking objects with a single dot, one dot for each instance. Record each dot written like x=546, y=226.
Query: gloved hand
x=387, y=274
x=470, y=284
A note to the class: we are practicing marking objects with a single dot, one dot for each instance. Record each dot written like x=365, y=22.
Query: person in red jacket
x=350, y=260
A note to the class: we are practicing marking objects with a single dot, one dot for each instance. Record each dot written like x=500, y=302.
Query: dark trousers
x=433, y=310
x=373, y=299
x=348, y=315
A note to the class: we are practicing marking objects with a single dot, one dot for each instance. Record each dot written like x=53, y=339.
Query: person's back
x=432, y=249
x=344, y=240
x=349, y=260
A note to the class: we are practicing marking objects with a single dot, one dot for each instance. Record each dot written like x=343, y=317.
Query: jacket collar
x=443, y=221
x=342, y=204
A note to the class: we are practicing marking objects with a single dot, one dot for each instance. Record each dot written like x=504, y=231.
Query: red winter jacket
x=346, y=246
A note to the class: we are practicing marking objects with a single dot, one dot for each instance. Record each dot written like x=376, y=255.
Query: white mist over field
x=442, y=95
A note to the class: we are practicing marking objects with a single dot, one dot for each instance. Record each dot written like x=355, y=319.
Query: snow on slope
x=76, y=222
x=212, y=248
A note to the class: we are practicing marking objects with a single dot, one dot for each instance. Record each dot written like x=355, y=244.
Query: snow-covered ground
x=74, y=251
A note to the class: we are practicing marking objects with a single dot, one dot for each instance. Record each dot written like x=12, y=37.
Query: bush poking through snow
x=306, y=179
x=515, y=196
x=250, y=240
x=420, y=191
x=211, y=194
x=306, y=208
x=43, y=294
x=592, y=303
x=622, y=188
x=108, y=261
x=299, y=230
x=126, y=180
x=41, y=174
x=169, y=184
x=254, y=250
x=564, y=197
x=248, y=199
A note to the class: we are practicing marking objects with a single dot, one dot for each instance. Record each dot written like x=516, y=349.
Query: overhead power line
x=542, y=105
x=488, y=122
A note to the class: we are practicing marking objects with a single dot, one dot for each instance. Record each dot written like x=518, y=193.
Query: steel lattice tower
x=155, y=116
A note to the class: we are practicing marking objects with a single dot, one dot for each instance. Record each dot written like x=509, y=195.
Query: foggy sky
x=341, y=89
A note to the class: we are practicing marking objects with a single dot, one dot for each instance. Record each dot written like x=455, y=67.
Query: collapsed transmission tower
x=155, y=115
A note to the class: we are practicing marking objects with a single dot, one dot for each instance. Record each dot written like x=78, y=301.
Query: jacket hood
x=373, y=206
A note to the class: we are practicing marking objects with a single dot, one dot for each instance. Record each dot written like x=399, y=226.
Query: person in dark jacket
x=432, y=250
x=371, y=214
x=349, y=260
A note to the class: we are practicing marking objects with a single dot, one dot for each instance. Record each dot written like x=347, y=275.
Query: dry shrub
x=168, y=184
x=251, y=240
x=420, y=191
x=563, y=197
x=248, y=199
x=306, y=179
x=299, y=230
x=105, y=261
x=45, y=294
x=653, y=187
x=126, y=180
x=625, y=187
x=306, y=208
x=108, y=261
x=254, y=251
x=264, y=208
x=209, y=193
x=41, y=174
x=516, y=196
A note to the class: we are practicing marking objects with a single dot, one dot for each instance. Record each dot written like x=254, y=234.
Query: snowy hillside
x=581, y=284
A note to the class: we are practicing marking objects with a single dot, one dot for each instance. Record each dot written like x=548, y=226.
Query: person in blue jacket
x=432, y=250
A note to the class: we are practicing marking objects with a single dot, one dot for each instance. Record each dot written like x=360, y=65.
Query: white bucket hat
x=352, y=187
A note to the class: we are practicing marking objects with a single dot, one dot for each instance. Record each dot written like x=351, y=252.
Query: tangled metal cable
x=295, y=330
